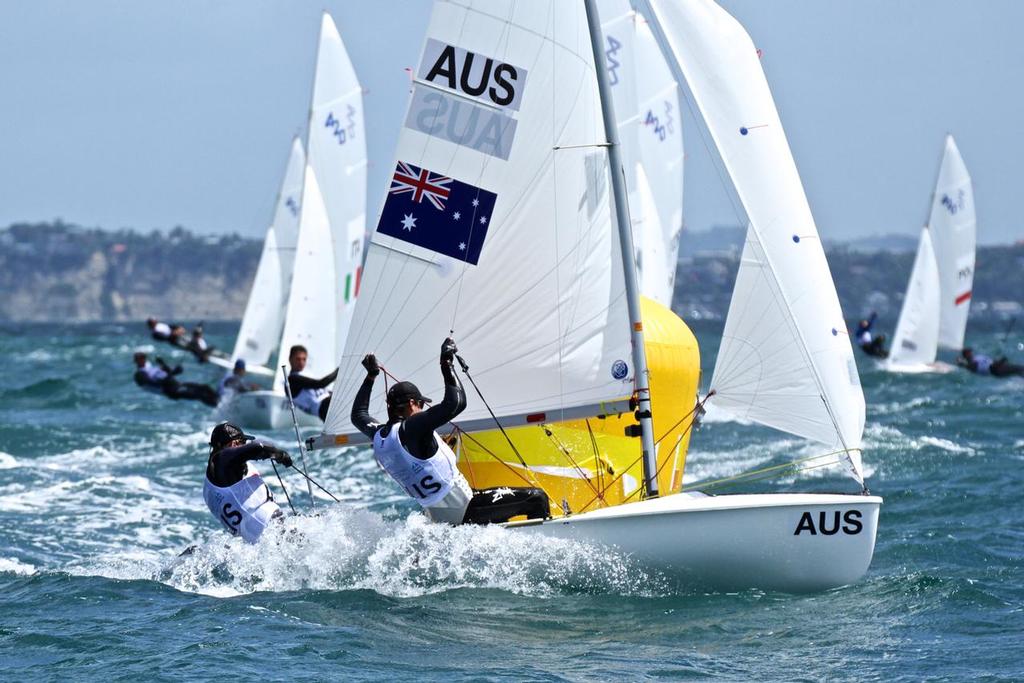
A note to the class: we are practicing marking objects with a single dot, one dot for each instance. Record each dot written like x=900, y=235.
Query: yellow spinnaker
x=588, y=464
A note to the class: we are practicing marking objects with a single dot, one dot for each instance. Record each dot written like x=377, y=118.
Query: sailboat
x=506, y=224
x=954, y=226
x=916, y=340
x=938, y=294
x=260, y=331
x=326, y=273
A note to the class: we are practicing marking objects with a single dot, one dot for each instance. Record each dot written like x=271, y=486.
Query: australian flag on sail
x=437, y=213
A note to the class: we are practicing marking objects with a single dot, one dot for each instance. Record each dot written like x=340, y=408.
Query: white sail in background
x=954, y=226
x=337, y=156
x=260, y=331
x=497, y=225
x=646, y=100
x=312, y=307
x=916, y=340
x=785, y=359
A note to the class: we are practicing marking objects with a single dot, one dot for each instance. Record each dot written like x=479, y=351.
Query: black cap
x=225, y=433
x=401, y=392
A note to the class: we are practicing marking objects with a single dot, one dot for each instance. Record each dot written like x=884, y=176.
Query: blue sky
x=154, y=114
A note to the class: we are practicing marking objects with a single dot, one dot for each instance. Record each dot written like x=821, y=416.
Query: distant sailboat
x=508, y=235
x=916, y=340
x=938, y=294
x=328, y=251
x=953, y=225
x=260, y=331
x=646, y=99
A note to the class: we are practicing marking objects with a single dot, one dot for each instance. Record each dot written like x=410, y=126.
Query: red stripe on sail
x=963, y=297
x=359, y=271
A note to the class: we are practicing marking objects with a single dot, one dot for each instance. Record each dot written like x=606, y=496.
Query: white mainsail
x=260, y=331
x=785, y=359
x=332, y=224
x=497, y=225
x=337, y=156
x=646, y=101
x=916, y=340
x=954, y=226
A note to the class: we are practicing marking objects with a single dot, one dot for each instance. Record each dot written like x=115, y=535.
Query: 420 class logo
x=954, y=205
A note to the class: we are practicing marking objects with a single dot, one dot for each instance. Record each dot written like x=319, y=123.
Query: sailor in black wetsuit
x=309, y=395
x=980, y=364
x=411, y=451
x=234, y=491
x=160, y=378
x=172, y=333
x=871, y=344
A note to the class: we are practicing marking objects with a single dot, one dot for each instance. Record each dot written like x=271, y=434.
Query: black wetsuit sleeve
x=361, y=417
x=228, y=466
x=417, y=431
x=176, y=370
x=297, y=382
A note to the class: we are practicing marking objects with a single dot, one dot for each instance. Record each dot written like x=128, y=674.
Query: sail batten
x=783, y=273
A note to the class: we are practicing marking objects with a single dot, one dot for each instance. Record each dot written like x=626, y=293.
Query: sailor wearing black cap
x=411, y=451
x=234, y=491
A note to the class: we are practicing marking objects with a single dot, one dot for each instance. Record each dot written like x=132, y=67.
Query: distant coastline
x=59, y=272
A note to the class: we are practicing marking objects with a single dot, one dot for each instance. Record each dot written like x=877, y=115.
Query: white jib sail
x=337, y=155
x=497, y=225
x=916, y=340
x=646, y=101
x=260, y=331
x=786, y=360
x=954, y=226
x=311, y=310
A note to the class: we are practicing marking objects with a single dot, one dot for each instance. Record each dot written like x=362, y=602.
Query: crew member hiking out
x=172, y=333
x=980, y=364
x=160, y=378
x=310, y=395
x=411, y=451
x=870, y=343
x=234, y=491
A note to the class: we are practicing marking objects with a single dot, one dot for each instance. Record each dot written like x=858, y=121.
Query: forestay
x=497, y=226
x=263, y=320
x=954, y=227
x=337, y=156
x=646, y=101
x=785, y=359
x=917, y=332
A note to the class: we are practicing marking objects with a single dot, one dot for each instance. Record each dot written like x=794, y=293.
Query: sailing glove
x=448, y=350
x=282, y=457
x=371, y=365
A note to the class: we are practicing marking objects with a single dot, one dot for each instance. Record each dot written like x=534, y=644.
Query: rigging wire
x=283, y=487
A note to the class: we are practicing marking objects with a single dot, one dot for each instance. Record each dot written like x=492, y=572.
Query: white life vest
x=435, y=483
x=244, y=508
x=162, y=329
x=983, y=363
x=153, y=373
x=309, y=400
x=864, y=337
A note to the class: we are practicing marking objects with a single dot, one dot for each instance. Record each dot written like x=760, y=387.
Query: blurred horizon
x=149, y=116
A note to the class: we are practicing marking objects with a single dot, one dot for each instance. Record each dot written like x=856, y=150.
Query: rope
x=568, y=456
x=314, y=483
x=465, y=371
x=283, y=488
x=514, y=471
x=750, y=476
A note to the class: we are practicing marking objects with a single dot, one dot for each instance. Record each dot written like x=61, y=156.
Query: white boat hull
x=938, y=367
x=793, y=542
x=264, y=410
x=228, y=364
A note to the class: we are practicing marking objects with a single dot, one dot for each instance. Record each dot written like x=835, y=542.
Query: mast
x=641, y=373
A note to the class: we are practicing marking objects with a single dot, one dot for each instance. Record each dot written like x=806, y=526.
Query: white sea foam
x=347, y=548
x=8, y=461
x=13, y=565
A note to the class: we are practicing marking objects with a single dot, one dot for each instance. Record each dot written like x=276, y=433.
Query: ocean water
x=100, y=489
